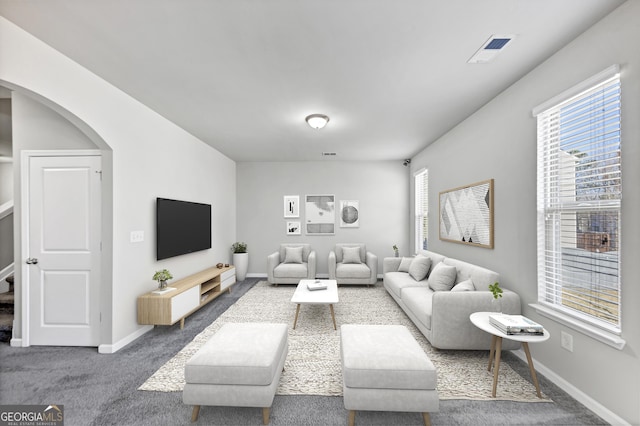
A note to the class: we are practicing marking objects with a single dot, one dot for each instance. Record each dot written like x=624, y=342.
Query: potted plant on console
x=240, y=259
x=162, y=276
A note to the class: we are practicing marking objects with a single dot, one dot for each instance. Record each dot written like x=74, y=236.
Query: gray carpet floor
x=99, y=389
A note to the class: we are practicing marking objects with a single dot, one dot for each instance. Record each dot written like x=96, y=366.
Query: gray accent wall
x=380, y=187
x=499, y=142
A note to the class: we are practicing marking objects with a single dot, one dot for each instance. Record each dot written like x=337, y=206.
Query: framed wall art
x=293, y=228
x=320, y=214
x=466, y=214
x=291, y=206
x=349, y=214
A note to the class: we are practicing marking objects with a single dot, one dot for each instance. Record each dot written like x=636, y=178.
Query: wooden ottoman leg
x=352, y=417
x=195, y=413
x=427, y=419
x=265, y=415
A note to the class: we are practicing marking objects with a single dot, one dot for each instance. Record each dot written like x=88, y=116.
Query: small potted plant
x=497, y=295
x=396, y=251
x=162, y=277
x=240, y=259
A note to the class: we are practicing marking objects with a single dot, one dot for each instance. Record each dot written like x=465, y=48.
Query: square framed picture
x=291, y=206
x=293, y=228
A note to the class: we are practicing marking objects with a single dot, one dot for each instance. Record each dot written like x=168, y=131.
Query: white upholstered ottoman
x=239, y=366
x=385, y=369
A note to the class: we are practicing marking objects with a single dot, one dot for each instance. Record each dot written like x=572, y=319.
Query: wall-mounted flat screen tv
x=181, y=227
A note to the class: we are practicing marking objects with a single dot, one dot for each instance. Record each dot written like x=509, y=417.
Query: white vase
x=241, y=263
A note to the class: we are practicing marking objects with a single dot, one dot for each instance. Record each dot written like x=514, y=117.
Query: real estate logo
x=31, y=415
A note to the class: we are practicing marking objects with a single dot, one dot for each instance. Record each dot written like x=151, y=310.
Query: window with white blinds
x=421, y=209
x=579, y=196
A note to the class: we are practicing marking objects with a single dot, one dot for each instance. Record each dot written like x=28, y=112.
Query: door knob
x=32, y=261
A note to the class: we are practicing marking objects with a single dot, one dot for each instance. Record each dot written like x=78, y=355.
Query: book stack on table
x=317, y=285
x=515, y=325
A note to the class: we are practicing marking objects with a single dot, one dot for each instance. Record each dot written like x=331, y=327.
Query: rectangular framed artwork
x=320, y=214
x=291, y=206
x=466, y=214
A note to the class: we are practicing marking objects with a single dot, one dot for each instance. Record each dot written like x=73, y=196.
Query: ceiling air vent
x=329, y=154
x=491, y=48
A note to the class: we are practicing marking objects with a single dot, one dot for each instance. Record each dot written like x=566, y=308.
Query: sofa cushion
x=397, y=281
x=419, y=301
x=442, y=277
x=351, y=255
x=480, y=276
x=404, y=264
x=290, y=270
x=419, y=267
x=293, y=255
x=352, y=270
x=466, y=285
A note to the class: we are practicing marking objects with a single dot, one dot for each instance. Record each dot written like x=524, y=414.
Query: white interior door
x=64, y=250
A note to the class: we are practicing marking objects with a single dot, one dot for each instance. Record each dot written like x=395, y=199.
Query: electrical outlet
x=566, y=341
x=136, y=236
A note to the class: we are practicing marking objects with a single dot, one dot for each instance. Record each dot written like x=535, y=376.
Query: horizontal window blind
x=579, y=196
x=421, y=209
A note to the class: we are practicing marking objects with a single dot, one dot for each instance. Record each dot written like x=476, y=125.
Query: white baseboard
x=256, y=275
x=110, y=349
x=16, y=342
x=593, y=405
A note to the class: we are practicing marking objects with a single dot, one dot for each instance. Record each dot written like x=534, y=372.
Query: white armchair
x=291, y=263
x=353, y=264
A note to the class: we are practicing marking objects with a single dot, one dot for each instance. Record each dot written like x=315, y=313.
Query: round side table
x=481, y=320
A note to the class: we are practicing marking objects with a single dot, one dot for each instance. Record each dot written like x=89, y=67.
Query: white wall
x=380, y=187
x=499, y=141
x=144, y=157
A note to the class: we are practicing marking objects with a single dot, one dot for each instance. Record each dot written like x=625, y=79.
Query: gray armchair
x=291, y=263
x=353, y=264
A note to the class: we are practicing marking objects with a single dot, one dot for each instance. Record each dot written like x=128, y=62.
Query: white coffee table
x=481, y=320
x=304, y=296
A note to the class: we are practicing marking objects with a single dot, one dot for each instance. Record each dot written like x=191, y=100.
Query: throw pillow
x=404, y=264
x=419, y=267
x=466, y=285
x=351, y=255
x=293, y=255
x=442, y=277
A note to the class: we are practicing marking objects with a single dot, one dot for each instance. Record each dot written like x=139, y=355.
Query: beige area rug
x=313, y=362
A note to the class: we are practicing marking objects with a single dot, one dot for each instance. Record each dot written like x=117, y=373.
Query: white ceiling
x=241, y=75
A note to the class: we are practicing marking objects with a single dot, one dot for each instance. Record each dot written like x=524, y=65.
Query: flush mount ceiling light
x=317, y=121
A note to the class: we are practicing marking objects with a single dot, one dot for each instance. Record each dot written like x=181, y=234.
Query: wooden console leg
x=352, y=417
x=195, y=413
x=427, y=419
x=265, y=415
x=182, y=324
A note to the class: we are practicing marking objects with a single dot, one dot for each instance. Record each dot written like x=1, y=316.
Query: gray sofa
x=442, y=315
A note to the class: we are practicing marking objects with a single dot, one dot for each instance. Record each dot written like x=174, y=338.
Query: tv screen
x=181, y=227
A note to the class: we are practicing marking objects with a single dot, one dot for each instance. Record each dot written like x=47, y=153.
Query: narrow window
x=421, y=209
x=578, y=198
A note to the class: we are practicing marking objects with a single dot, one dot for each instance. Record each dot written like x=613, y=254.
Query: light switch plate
x=137, y=236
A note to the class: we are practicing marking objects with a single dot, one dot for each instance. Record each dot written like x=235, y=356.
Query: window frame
x=586, y=323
